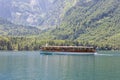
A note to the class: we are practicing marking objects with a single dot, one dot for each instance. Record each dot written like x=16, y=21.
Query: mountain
x=9, y=29
x=91, y=22
x=44, y=13
x=94, y=22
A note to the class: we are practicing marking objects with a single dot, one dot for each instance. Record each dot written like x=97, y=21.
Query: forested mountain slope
x=88, y=22
x=91, y=22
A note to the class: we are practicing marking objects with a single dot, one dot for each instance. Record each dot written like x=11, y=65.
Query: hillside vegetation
x=34, y=43
x=93, y=22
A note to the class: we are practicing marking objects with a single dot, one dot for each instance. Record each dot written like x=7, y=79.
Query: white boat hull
x=66, y=53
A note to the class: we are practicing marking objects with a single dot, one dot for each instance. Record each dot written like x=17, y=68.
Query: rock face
x=10, y=29
x=35, y=12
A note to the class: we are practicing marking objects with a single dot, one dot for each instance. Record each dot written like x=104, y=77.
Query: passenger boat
x=67, y=50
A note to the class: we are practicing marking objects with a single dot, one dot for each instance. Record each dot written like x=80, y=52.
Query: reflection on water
x=68, y=67
x=33, y=66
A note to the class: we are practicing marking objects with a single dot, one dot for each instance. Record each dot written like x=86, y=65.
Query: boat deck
x=67, y=50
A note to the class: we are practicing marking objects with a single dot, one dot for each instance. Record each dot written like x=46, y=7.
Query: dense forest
x=34, y=43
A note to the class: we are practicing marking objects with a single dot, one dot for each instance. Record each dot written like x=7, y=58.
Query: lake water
x=33, y=66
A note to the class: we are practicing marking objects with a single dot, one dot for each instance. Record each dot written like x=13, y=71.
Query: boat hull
x=67, y=53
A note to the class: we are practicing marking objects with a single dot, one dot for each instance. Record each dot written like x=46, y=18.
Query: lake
x=30, y=65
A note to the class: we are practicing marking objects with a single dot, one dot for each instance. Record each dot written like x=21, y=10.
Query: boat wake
x=97, y=54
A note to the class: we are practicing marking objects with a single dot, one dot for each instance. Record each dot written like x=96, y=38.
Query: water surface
x=33, y=66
